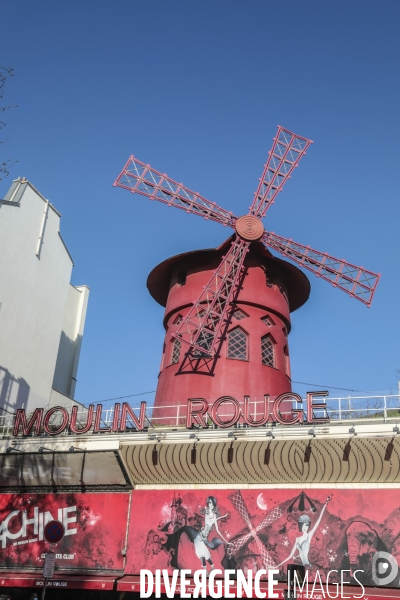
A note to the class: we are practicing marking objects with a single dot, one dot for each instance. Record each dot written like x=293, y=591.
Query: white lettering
x=342, y=574
x=215, y=593
x=200, y=580
x=228, y=583
x=244, y=585
x=40, y=526
x=65, y=472
x=333, y=584
x=146, y=576
x=317, y=581
x=34, y=521
x=170, y=588
x=363, y=589
x=272, y=582
x=42, y=472
x=38, y=520
x=66, y=520
x=184, y=582
x=257, y=591
x=5, y=533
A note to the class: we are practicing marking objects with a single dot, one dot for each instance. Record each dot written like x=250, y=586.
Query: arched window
x=268, y=351
x=238, y=344
x=175, y=351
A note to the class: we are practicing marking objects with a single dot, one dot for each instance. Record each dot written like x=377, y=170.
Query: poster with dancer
x=321, y=529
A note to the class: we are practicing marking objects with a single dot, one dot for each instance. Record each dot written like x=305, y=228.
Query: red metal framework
x=201, y=329
x=356, y=281
x=252, y=534
x=287, y=150
x=139, y=178
x=205, y=324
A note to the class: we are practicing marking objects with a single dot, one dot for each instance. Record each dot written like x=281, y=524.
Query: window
x=181, y=280
x=284, y=330
x=287, y=361
x=268, y=321
x=237, y=344
x=268, y=351
x=239, y=314
x=205, y=341
x=175, y=351
x=178, y=319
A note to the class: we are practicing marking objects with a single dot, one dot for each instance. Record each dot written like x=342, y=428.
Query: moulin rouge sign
x=225, y=412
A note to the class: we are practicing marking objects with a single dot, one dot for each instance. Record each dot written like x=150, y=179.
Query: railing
x=382, y=408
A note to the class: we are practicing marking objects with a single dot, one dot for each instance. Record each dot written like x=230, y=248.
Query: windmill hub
x=249, y=228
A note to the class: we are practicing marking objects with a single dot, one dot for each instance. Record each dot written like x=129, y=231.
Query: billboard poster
x=326, y=530
x=95, y=530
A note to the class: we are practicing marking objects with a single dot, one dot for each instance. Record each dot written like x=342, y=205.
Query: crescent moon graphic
x=261, y=502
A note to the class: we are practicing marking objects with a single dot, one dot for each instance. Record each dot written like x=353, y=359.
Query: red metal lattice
x=204, y=325
x=137, y=177
x=252, y=534
x=355, y=281
x=285, y=155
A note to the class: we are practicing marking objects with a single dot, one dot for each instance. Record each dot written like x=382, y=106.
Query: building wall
x=39, y=307
x=71, y=340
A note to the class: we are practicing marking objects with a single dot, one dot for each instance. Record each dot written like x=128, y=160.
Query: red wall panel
x=345, y=529
x=95, y=527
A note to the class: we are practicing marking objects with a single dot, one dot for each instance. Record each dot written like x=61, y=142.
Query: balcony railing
x=378, y=408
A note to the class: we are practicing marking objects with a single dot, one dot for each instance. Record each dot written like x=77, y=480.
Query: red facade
x=328, y=530
x=95, y=526
x=253, y=358
x=264, y=529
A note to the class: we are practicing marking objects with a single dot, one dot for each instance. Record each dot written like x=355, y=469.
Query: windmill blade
x=275, y=514
x=137, y=177
x=235, y=545
x=287, y=150
x=355, y=281
x=203, y=326
x=265, y=557
x=239, y=504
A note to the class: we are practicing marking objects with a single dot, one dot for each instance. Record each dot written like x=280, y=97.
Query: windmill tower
x=253, y=355
x=228, y=310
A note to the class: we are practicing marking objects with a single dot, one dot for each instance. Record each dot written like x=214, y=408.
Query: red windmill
x=204, y=325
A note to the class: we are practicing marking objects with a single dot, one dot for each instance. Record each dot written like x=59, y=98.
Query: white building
x=42, y=315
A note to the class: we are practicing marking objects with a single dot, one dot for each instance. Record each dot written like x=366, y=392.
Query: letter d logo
x=384, y=568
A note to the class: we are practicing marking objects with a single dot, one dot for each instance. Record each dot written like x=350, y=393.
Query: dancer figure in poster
x=199, y=538
x=201, y=544
x=303, y=542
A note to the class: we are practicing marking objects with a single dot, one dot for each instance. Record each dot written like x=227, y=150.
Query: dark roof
x=298, y=285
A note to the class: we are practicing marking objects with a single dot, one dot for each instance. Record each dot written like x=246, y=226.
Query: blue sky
x=197, y=90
